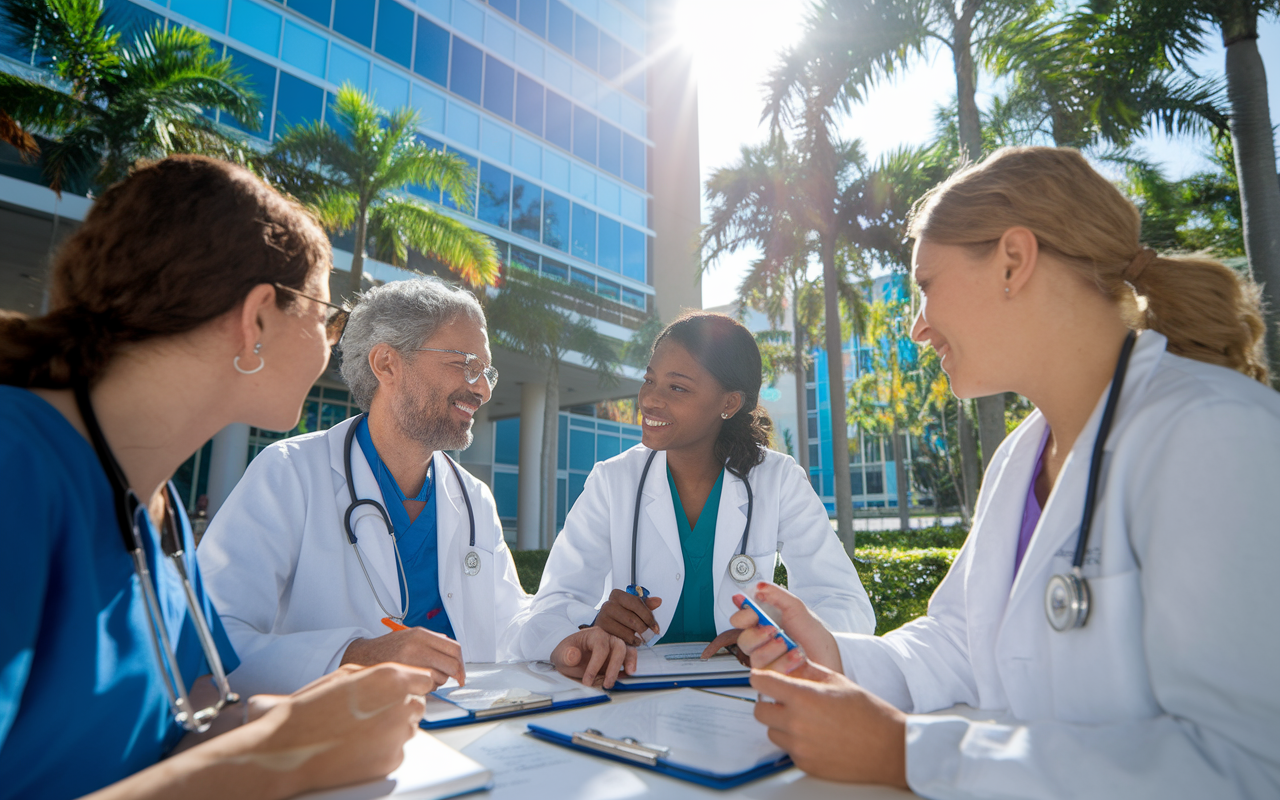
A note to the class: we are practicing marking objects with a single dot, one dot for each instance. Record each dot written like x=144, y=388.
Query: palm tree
x=848, y=45
x=527, y=316
x=352, y=175
x=109, y=102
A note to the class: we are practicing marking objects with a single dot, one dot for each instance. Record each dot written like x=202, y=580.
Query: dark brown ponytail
x=178, y=243
x=726, y=349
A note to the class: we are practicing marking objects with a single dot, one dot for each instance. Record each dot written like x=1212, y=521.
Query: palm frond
x=402, y=224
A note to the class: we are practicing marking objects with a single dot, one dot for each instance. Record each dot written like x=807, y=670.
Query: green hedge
x=899, y=569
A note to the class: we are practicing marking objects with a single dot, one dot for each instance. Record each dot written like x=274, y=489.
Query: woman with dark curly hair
x=666, y=533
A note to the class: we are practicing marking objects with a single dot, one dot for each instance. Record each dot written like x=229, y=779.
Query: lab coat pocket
x=1100, y=671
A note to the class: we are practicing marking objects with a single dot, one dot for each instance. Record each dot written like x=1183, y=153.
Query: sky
x=735, y=43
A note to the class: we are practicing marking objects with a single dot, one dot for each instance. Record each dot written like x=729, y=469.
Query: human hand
x=348, y=727
x=727, y=639
x=593, y=656
x=832, y=727
x=439, y=655
x=762, y=643
x=627, y=616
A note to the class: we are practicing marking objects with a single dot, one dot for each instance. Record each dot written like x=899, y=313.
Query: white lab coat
x=1172, y=689
x=291, y=594
x=592, y=555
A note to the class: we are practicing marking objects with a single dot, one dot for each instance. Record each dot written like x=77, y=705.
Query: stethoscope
x=1067, y=597
x=128, y=511
x=470, y=562
x=742, y=567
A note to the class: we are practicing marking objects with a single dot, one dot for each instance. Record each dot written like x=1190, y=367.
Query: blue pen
x=765, y=620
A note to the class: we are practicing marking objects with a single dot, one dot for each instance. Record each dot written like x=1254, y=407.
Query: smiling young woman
x=703, y=504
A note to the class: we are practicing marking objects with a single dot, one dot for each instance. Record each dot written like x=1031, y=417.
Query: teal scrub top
x=82, y=700
x=695, y=619
x=417, y=541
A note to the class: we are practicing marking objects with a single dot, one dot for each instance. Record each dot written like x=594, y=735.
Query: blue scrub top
x=82, y=701
x=695, y=619
x=417, y=541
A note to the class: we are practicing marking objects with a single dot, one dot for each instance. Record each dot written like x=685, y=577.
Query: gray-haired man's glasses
x=471, y=368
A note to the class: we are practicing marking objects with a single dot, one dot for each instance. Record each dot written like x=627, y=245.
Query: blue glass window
x=448, y=199
x=582, y=449
x=253, y=25
x=635, y=76
x=584, y=134
x=314, y=9
x=529, y=104
x=466, y=70
x=495, y=195
x=584, y=233
x=395, y=32
x=526, y=208
x=559, y=121
x=299, y=103
x=634, y=299
x=523, y=259
x=586, y=42
x=609, y=253
x=610, y=56
x=261, y=78
x=633, y=160
x=556, y=271
x=499, y=87
x=583, y=280
x=610, y=149
x=607, y=289
x=354, y=20
x=533, y=15
x=555, y=221
x=633, y=261
x=560, y=26
x=432, y=59
x=431, y=192
x=331, y=116
x=506, y=444
x=507, y=7
x=212, y=13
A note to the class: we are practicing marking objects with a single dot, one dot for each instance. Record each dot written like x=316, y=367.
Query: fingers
x=629, y=662
x=638, y=606
x=617, y=658
x=599, y=654
x=615, y=628
x=723, y=640
x=629, y=612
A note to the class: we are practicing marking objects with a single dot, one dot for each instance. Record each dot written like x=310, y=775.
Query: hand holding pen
x=805, y=636
x=629, y=615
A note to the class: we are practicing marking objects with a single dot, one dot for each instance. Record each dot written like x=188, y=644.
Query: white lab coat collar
x=1060, y=520
x=376, y=542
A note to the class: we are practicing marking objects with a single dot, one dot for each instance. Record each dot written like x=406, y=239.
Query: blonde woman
x=1125, y=644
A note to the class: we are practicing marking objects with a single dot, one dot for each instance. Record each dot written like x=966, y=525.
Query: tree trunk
x=802, y=406
x=990, y=409
x=1255, y=153
x=835, y=381
x=900, y=471
x=550, y=453
x=968, y=460
x=357, y=252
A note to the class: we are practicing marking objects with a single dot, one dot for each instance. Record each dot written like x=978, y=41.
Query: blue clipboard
x=626, y=684
x=515, y=711
x=701, y=777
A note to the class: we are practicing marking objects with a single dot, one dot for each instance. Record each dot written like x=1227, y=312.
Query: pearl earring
x=724, y=416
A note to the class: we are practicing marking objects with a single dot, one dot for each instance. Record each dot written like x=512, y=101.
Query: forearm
x=227, y=766
x=232, y=717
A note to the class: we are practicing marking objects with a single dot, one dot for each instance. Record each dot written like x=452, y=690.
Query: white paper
x=525, y=768
x=431, y=769
x=708, y=732
x=489, y=682
x=682, y=660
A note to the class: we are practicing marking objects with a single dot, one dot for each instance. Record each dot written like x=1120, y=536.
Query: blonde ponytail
x=1207, y=311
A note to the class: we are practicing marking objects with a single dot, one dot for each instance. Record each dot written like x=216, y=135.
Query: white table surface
x=521, y=773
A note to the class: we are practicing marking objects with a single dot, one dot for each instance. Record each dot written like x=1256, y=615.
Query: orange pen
x=393, y=625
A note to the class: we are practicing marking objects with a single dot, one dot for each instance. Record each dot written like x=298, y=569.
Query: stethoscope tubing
x=635, y=522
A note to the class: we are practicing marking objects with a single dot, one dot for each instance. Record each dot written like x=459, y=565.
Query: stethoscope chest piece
x=1066, y=601
x=742, y=567
x=471, y=563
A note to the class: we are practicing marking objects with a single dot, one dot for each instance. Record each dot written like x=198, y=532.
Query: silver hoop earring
x=262, y=362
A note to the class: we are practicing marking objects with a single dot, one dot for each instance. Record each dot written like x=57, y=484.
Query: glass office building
x=580, y=137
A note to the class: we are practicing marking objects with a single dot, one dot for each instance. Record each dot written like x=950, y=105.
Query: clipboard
x=500, y=691
x=678, y=666
x=708, y=739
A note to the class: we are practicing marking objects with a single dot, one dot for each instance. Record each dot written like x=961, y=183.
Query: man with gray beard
x=367, y=543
